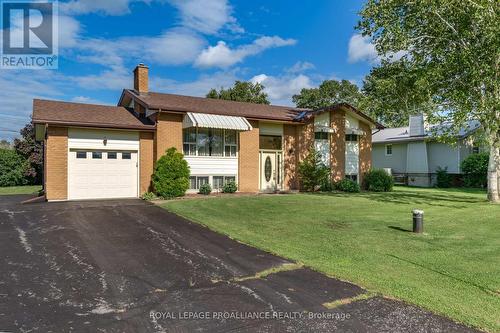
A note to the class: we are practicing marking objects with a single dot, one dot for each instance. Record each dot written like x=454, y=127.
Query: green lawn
x=20, y=190
x=453, y=269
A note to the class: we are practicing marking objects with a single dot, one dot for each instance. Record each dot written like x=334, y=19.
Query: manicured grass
x=20, y=190
x=452, y=269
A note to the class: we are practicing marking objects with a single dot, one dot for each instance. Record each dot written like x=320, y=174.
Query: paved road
x=129, y=266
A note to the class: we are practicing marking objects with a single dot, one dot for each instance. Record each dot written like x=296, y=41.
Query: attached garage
x=102, y=164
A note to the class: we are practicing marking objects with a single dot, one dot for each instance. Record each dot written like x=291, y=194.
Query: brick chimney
x=417, y=125
x=141, y=78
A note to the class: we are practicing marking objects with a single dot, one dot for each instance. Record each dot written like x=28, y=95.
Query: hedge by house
x=13, y=168
x=347, y=185
x=377, y=180
x=475, y=170
x=171, y=175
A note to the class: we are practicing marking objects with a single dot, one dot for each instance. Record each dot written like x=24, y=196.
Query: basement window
x=218, y=182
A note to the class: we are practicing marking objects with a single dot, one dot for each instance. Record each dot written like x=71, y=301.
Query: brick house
x=97, y=151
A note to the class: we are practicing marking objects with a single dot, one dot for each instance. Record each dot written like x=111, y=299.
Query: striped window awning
x=204, y=120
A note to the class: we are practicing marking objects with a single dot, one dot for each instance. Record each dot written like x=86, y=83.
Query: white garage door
x=96, y=174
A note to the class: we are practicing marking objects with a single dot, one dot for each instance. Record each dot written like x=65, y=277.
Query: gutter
x=81, y=124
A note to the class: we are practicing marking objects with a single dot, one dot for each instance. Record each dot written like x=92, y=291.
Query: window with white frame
x=388, y=150
x=189, y=139
x=210, y=142
x=230, y=143
x=217, y=182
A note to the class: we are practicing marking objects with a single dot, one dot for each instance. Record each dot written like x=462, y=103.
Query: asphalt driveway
x=129, y=266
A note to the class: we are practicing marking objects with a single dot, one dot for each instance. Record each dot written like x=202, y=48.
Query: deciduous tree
x=455, y=47
x=241, y=92
x=329, y=93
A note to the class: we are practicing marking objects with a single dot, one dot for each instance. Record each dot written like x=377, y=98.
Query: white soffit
x=204, y=120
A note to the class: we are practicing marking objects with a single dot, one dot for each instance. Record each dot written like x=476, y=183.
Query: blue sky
x=190, y=47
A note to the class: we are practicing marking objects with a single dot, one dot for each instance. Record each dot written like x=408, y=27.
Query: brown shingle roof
x=88, y=115
x=169, y=102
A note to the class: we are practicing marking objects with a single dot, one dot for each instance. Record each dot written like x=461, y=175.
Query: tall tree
x=241, y=92
x=393, y=91
x=328, y=93
x=455, y=46
x=30, y=149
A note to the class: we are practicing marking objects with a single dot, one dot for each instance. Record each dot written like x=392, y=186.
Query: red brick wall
x=168, y=133
x=146, y=161
x=365, y=151
x=56, y=163
x=248, y=160
x=290, y=153
x=337, y=146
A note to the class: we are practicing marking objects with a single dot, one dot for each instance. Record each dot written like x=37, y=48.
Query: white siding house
x=412, y=156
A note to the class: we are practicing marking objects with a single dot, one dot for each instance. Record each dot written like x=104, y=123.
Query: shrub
x=347, y=185
x=327, y=186
x=475, y=170
x=148, y=196
x=229, y=187
x=312, y=171
x=13, y=168
x=378, y=180
x=171, y=175
x=205, y=189
x=443, y=178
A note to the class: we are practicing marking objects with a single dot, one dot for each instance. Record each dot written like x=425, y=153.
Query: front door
x=270, y=171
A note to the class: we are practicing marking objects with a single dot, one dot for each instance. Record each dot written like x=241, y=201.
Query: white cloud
x=113, y=79
x=281, y=88
x=300, y=66
x=223, y=56
x=174, y=47
x=69, y=31
x=361, y=49
x=87, y=100
x=108, y=7
x=17, y=90
x=207, y=16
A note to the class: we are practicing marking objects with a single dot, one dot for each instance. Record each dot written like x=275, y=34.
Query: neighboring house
x=97, y=151
x=412, y=156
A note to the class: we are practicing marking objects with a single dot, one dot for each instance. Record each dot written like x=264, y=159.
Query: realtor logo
x=29, y=34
